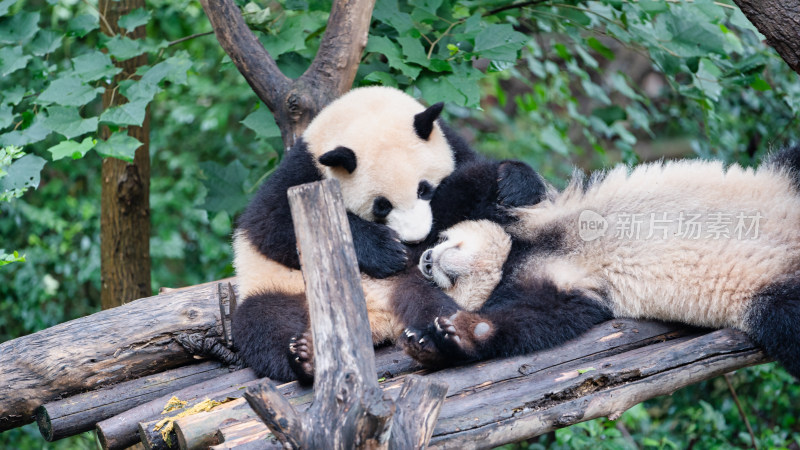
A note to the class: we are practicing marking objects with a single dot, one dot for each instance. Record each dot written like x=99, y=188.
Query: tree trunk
x=125, y=203
x=779, y=22
x=295, y=102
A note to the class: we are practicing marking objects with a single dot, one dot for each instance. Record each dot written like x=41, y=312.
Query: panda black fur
x=557, y=283
x=389, y=154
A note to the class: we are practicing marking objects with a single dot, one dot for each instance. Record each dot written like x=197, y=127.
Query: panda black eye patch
x=425, y=190
x=381, y=207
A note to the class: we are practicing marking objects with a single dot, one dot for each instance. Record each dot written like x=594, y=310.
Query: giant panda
x=402, y=173
x=574, y=260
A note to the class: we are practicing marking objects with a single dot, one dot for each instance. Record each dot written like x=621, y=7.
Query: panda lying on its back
x=684, y=241
x=401, y=172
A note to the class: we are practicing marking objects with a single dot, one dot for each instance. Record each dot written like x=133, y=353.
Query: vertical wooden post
x=125, y=202
x=349, y=408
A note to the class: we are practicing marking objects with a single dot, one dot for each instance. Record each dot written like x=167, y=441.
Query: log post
x=349, y=410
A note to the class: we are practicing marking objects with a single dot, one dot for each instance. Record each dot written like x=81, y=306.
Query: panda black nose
x=426, y=263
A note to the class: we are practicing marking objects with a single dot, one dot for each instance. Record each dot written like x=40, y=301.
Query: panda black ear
x=423, y=122
x=339, y=157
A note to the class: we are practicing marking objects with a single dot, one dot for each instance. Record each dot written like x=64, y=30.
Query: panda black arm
x=269, y=226
x=268, y=219
x=514, y=321
x=378, y=249
x=483, y=189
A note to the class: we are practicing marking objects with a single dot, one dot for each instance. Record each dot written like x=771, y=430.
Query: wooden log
x=567, y=394
x=122, y=430
x=108, y=347
x=81, y=412
x=418, y=406
x=348, y=408
x=198, y=431
x=241, y=432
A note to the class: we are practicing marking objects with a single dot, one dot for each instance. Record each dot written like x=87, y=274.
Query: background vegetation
x=554, y=83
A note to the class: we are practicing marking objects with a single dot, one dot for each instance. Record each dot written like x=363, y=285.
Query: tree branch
x=249, y=56
x=778, y=21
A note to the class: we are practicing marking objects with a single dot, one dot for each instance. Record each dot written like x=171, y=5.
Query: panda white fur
x=389, y=154
x=563, y=275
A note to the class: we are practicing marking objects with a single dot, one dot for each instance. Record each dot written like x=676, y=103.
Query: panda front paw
x=301, y=357
x=449, y=340
x=384, y=257
x=519, y=185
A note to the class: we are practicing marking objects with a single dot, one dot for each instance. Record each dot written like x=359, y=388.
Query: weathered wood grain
x=417, y=410
x=198, y=431
x=108, y=347
x=348, y=405
x=238, y=433
x=81, y=412
x=570, y=393
x=122, y=430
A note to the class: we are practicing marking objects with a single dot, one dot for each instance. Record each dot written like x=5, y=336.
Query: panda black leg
x=773, y=322
x=301, y=357
x=449, y=340
x=263, y=326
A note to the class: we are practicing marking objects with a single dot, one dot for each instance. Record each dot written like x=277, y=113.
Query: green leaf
x=133, y=19
x=388, y=12
x=46, y=41
x=12, y=96
x=172, y=69
x=425, y=10
x=6, y=258
x=499, y=42
x=34, y=133
x=131, y=113
x=139, y=90
x=413, y=50
x=707, y=80
x=68, y=91
x=19, y=28
x=6, y=115
x=123, y=48
x=382, y=78
x=23, y=173
x=692, y=36
x=262, y=122
x=11, y=60
x=225, y=186
x=119, y=145
x=382, y=45
x=610, y=114
x=81, y=25
x=5, y=5
x=760, y=85
x=600, y=48
x=68, y=122
x=588, y=369
x=93, y=65
x=72, y=149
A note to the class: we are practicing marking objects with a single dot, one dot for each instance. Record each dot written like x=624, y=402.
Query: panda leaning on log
x=686, y=241
x=403, y=174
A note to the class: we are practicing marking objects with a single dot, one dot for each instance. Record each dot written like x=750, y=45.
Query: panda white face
x=388, y=155
x=468, y=261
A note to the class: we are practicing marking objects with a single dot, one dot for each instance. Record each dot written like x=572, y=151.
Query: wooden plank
x=122, y=430
x=108, y=347
x=81, y=412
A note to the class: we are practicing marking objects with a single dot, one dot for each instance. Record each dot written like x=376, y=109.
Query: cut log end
x=43, y=421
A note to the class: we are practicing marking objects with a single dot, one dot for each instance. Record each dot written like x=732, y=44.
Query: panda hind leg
x=263, y=326
x=773, y=322
x=301, y=356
